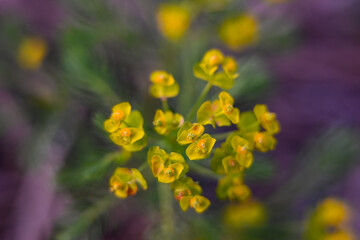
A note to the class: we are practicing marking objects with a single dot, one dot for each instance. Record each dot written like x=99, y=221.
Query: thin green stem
x=143, y=166
x=167, y=211
x=203, y=171
x=200, y=99
x=165, y=104
x=86, y=218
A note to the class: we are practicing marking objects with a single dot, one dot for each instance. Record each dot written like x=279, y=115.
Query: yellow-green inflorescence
x=169, y=161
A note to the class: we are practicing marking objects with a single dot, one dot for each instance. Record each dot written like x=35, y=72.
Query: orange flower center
x=259, y=137
x=214, y=60
x=242, y=150
x=160, y=79
x=228, y=108
x=202, y=144
x=230, y=66
x=125, y=133
x=194, y=202
x=231, y=162
x=118, y=115
x=169, y=171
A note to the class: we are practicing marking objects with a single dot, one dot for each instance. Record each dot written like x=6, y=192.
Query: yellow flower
x=166, y=122
x=211, y=113
x=339, y=235
x=332, y=212
x=124, y=182
x=130, y=133
x=197, y=202
x=185, y=187
x=232, y=187
x=227, y=107
x=243, y=149
x=239, y=32
x=166, y=167
x=200, y=146
x=164, y=85
x=31, y=52
x=173, y=20
x=267, y=119
x=245, y=215
x=264, y=141
x=225, y=151
x=207, y=69
x=119, y=114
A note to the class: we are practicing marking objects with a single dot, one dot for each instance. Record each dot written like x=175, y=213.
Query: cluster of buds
x=255, y=131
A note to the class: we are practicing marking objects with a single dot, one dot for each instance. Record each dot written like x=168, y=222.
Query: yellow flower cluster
x=255, y=132
x=124, y=182
x=217, y=69
x=239, y=32
x=126, y=127
x=330, y=221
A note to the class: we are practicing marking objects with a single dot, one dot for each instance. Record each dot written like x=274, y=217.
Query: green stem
x=200, y=99
x=203, y=170
x=167, y=211
x=165, y=104
x=143, y=166
x=86, y=218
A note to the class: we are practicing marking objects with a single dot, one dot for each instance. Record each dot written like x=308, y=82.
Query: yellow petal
x=201, y=148
x=188, y=135
x=139, y=178
x=185, y=202
x=222, y=80
x=111, y=125
x=136, y=146
x=204, y=114
x=125, y=107
x=159, y=91
x=157, y=165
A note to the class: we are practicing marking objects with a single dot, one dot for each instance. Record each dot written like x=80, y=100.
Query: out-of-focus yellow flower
x=339, y=235
x=119, y=114
x=332, y=212
x=211, y=113
x=267, y=119
x=232, y=187
x=166, y=167
x=124, y=182
x=164, y=85
x=173, y=20
x=264, y=141
x=211, y=62
x=200, y=145
x=130, y=133
x=240, y=31
x=166, y=122
x=197, y=202
x=31, y=52
x=245, y=215
x=226, y=103
x=243, y=149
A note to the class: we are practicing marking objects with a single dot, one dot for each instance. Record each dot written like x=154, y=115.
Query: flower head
x=267, y=119
x=208, y=69
x=166, y=167
x=243, y=149
x=264, y=141
x=124, y=182
x=211, y=113
x=239, y=31
x=173, y=20
x=163, y=85
x=166, y=122
x=227, y=107
x=120, y=112
x=332, y=212
x=32, y=52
